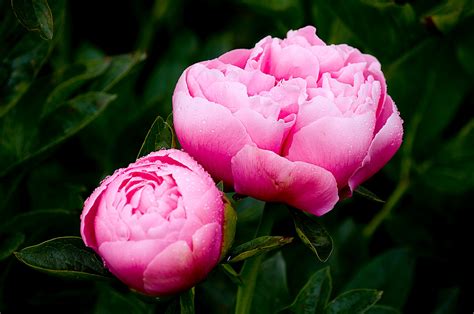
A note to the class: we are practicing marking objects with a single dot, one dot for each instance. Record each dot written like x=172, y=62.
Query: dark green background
x=58, y=141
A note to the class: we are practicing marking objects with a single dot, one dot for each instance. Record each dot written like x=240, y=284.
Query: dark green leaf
x=452, y=168
x=313, y=234
x=186, y=301
x=112, y=301
x=231, y=273
x=271, y=290
x=449, y=13
x=368, y=194
x=382, y=309
x=31, y=220
x=59, y=125
x=257, y=246
x=315, y=294
x=448, y=301
x=61, y=93
x=119, y=67
x=390, y=272
x=353, y=302
x=10, y=243
x=64, y=256
x=35, y=15
x=159, y=136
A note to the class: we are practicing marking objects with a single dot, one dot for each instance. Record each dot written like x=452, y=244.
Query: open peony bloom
x=157, y=224
x=292, y=120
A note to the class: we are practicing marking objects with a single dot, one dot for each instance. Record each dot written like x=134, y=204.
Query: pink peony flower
x=292, y=120
x=157, y=224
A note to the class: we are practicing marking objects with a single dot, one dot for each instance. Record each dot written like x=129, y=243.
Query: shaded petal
x=337, y=144
x=237, y=57
x=207, y=243
x=170, y=271
x=265, y=175
x=208, y=132
x=383, y=147
x=128, y=260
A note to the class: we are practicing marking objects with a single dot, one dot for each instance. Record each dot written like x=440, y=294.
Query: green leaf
x=271, y=290
x=315, y=294
x=31, y=220
x=256, y=247
x=10, y=243
x=368, y=194
x=390, y=272
x=56, y=127
x=112, y=301
x=159, y=136
x=382, y=309
x=35, y=15
x=86, y=71
x=353, y=301
x=120, y=66
x=448, y=300
x=231, y=273
x=186, y=301
x=452, y=168
x=448, y=14
x=313, y=234
x=230, y=225
x=65, y=256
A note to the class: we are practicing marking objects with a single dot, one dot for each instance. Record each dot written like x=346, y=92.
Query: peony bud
x=158, y=224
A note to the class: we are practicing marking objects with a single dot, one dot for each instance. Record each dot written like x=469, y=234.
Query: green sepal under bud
x=229, y=225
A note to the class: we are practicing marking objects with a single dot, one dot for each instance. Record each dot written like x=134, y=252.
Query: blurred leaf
x=257, y=246
x=89, y=70
x=395, y=31
x=315, y=294
x=33, y=219
x=231, y=273
x=35, y=15
x=186, y=301
x=427, y=110
x=452, y=169
x=382, y=309
x=119, y=67
x=390, y=272
x=353, y=301
x=10, y=243
x=59, y=125
x=465, y=49
x=450, y=13
x=111, y=301
x=66, y=257
x=271, y=291
x=447, y=301
x=273, y=5
x=159, y=136
x=230, y=225
x=368, y=194
x=313, y=234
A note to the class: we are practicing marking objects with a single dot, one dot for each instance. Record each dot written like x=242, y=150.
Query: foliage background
x=72, y=111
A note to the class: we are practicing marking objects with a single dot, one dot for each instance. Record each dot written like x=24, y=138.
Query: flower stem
x=251, y=266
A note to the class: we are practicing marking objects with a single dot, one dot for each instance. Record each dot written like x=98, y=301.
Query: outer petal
x=383, y=147
x=237, y=57
x=128, y=260
x=337, y=144
x=209, y=133
x=265, y=175
x=207, y=244
x=171, y=271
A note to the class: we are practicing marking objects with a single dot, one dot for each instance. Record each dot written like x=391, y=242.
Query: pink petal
x=338, y=144
x=237, y=57
x=267, y=176
x=128, y=260
x=209, y=133
x=383, y=147
x=304, y=37
x=171, y=271
x=293, y=61
x=207, y=244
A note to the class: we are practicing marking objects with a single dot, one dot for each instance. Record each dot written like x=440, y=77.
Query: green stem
x=251, y=266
